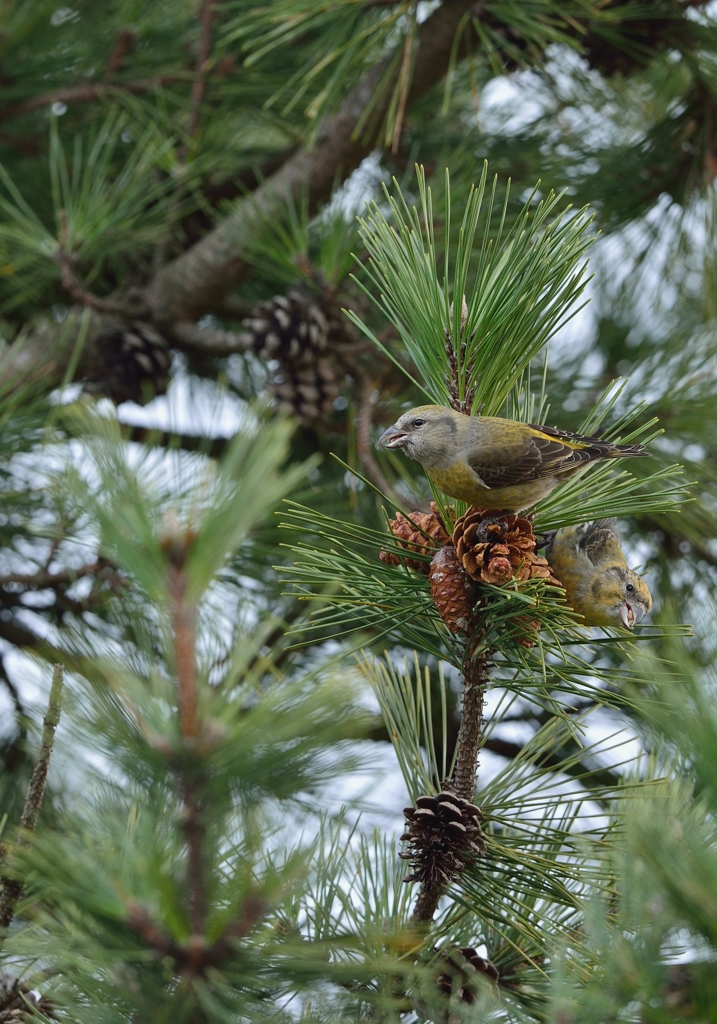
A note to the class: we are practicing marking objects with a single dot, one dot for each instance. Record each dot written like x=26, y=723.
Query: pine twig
x=404, y=81
x=184, y=616
x=11, y=890
x=86, y=93
x=463, y=780
x=199, y=87
x=196, y=955
x=210, y=341
x=66, y=261
x=125, y=41
x=364, y=422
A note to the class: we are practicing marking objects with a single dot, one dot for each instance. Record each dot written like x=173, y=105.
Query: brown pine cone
x=451, y=590
x=16, y=999
x=459, y=972
x=292, y=333
x=443, y=836
x=411, y=534
x=129, y=363
x=498, y=548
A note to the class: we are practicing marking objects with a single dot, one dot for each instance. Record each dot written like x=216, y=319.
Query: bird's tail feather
x=622, y=451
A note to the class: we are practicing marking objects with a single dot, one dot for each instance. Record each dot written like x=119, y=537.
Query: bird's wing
x=600, y=540
x=543, y=452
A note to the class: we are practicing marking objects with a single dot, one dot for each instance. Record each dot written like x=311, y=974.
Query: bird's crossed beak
x=629, y=615
x=394, y=437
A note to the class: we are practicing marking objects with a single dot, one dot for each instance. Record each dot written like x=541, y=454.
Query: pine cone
x=294, y=331
x=459, y=972
x=410, y=532
x=498, y=548
x=14, y=999
x=130, y=363
x=443, y=835
x=451, y=590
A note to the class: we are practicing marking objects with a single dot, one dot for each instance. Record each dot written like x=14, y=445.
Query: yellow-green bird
x=495, y=463
x=589, y=562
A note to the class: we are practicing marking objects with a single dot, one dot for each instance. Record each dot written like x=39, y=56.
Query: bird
x=591, y=566
x=495, y=463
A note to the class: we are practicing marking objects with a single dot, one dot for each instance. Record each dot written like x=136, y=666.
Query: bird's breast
x=459, y=481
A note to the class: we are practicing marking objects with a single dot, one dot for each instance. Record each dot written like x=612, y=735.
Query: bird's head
x=426, y=433
x=621, y=596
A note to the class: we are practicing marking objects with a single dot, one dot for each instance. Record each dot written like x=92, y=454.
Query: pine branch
x=210, y=341
x=86, y=93
x=463, y=780
x=46, y=580
x=196, y=955
x=78, y=293
x=67, y=262
x=364, y=442
x=196, y=281
x=11, y=890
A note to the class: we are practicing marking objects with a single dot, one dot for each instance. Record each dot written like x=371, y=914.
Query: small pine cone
x=129, y=363
x=16, y=999
x=294, y=331
x=443, y=836
x=498, y=548
x=451, y=590
x=459, y=971
x=411, y=534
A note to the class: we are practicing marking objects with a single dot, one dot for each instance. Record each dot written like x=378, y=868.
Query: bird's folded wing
x=541, y=455
x=601, y=541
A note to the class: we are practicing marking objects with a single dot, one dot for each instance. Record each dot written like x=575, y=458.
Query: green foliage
x=184, y=846
x=317, y=251
x=653, y=937
x=101, y=205
x=519, y=289
x=598, y=870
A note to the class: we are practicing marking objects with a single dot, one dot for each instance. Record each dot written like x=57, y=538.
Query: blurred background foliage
x=134, y=136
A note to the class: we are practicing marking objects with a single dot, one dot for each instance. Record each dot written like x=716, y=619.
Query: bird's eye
x=418, y=423
x=629, y=588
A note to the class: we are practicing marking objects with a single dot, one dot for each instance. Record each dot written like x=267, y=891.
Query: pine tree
x=172, y=208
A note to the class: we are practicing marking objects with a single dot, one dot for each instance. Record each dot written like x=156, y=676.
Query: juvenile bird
x=495, y=463
x=590, y=564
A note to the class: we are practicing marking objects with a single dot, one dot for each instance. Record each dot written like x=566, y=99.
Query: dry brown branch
x=28, y=147
x=11, y=889
x=213, y=447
